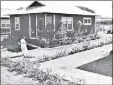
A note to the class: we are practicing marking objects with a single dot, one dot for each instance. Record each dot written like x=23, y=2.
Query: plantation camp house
x=48, y=22
x=5, y=25
x=5, y=22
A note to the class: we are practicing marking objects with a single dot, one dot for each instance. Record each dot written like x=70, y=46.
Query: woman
x=24, y=46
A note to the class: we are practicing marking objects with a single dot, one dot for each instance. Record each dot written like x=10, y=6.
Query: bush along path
x=30, y=69
x=83, y=46
x=11, y=42
x=67, y=49
x=75, y=49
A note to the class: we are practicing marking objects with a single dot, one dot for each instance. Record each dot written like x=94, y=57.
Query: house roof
x=5, y=11
x=52, y=9
x=35, y=4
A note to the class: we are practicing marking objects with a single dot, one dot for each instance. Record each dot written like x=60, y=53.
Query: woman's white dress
x=24, y=47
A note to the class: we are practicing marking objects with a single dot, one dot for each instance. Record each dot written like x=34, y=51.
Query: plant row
x=31, y=70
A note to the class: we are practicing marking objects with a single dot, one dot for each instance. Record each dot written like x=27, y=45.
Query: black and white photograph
x=56, y=42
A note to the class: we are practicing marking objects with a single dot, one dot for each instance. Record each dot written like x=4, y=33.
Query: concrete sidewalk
x=67, y=65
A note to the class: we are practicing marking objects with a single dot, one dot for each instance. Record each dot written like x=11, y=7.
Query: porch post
x=45, y=20
x=36, y=26
x=29, y=26
x=54, y=24
x=10, y=25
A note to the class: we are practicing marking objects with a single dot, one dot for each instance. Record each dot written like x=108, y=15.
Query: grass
x=102, y=66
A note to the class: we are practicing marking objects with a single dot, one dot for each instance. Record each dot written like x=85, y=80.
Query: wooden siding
x=88, y=27
x=24, y=25
x=5, y=31
x=76, y=18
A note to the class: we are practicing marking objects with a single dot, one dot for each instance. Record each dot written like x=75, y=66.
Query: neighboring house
x=5, y=22
x=45, y=22
x=104, y=23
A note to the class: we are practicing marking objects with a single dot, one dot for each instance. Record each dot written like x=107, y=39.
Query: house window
x=49, y=23
x=68, y=23
x=5, y=24
x=17, y=23
x=40, y=22
x=87, y=21
x=48, y=20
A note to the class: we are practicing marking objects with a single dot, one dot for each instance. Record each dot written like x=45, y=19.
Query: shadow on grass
x=102, y=66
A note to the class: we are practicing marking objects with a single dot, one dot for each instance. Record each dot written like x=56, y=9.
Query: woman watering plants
x=23, y=44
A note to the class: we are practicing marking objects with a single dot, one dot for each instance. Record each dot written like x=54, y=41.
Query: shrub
x=7, y=62
x=109, y=32
x=84, y=37
x=77, y=39
x=26, y=67
x=92, y=37
x=11, y=43
x=4, y=37
x=22, y=66
x=74, y=50
x=96, y=36
x=85, y=47
x=101, y=44
x=43, y=44
x=45, y=58
x=60, y=54
x=88, y=39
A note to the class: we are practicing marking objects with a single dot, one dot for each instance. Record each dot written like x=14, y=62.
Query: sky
x=103, y=8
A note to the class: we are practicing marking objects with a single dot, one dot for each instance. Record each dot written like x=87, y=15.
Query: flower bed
x=77, y=39
x=11, y=42
x=83, y=46
x=87, y=45
x=30, y=69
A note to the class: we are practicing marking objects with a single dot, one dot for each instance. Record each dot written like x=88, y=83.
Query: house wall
x=58, y=18
x=76, y=18
x=88, y=27
x=24, y=26
x=5, y=31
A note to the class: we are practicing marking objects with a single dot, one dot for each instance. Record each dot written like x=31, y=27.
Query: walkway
x=67, y=65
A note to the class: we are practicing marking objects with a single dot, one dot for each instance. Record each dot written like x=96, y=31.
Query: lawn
x=102, y=66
